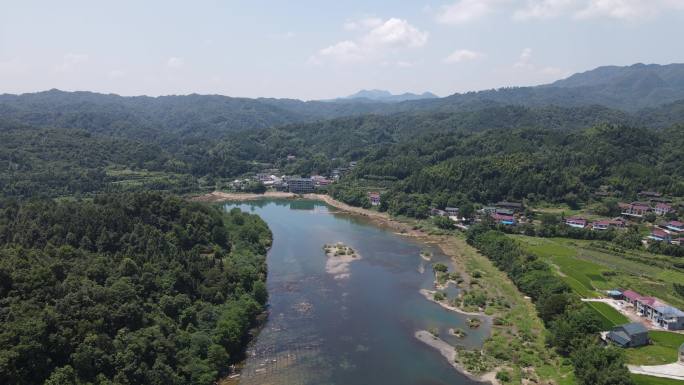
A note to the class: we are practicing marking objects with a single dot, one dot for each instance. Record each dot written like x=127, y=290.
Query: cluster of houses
x=598, y=225
x=652, y=309
x=293, y=184
x=640, y=209
x=670, y=232
x=296, y=184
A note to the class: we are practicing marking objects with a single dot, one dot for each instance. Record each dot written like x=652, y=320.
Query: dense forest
x=61, y=143
x=140, y=288
x=505, y=152
x=455, y=169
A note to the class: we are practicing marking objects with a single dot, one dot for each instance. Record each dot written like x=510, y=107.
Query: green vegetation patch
x=662, y=350
x=640, y=379
x=609, y=316
x=587, y=267
x=137, y=288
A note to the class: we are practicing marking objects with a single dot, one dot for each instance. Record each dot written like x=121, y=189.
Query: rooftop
x=634, y=328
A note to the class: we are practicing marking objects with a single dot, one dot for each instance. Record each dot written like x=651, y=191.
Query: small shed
x=614, y=294
x=629, y=335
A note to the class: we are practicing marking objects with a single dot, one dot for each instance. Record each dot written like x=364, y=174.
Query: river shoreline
x=385, y=221
x=429, y=295
x=451, y=354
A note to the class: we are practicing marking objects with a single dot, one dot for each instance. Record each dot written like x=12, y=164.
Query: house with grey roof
x=668, y=317
x=629, y=335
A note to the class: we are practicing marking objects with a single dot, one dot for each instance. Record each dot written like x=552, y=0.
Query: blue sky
x=323, y=49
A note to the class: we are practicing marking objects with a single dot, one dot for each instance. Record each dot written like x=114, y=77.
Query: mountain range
x=386, y=96
x=645, y=94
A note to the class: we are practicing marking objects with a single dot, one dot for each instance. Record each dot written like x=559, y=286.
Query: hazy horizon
x=305, y=51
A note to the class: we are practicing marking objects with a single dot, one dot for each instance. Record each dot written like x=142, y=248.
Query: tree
x=598, y=365
x=569, y=330
x=467, y=210
x=62, y=376
x=443, y=222
x=440, y=267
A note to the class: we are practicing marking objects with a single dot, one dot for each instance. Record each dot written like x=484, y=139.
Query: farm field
x=588, y=268
x=608, y=314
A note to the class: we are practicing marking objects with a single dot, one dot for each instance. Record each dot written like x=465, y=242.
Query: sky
x=324, y=49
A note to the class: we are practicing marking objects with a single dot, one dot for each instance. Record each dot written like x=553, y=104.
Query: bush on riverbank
x=572, y=327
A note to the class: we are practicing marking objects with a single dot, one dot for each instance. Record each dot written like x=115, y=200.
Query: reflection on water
x=355, y=330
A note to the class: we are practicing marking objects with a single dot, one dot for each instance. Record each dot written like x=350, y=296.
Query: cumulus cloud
x=175, y=62
x=362, y=24
x=544, y=9
x=385, y=36
x=395, y=33
x=627, y=9
x=465, y=11
x=462, y=55
x=524, y=59
x=345, y=51
x=71, y=61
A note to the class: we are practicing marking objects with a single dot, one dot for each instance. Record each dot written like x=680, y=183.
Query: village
x=646, y=314
x=652, y=207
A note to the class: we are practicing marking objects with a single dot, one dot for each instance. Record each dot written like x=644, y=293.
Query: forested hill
x=537, y=165
x=637, y=90
x=143, y=117
x=630, y=89
x=126, y=289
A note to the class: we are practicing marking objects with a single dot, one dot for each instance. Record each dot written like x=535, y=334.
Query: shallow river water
x=354, y=326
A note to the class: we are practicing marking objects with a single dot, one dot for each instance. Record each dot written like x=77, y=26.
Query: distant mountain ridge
x=655, y=91
x=386, y=96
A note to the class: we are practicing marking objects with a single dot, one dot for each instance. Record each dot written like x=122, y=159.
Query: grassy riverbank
x=517, y=347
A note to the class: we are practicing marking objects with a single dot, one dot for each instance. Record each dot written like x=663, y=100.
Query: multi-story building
x=300, y=185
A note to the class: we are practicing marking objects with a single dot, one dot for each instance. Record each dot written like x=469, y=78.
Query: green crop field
x=608, y=314
x=588, y=268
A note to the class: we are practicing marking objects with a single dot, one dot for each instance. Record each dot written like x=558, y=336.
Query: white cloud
x=362, y=24
x=345, y=51
x=524, y=59
x=544, y=9
x=175, y=62
x=70, y=61
x=628, y=9
x=396, y=33
x=462, y=55
x=387, y=36
x=619, y=9
x=464, y=11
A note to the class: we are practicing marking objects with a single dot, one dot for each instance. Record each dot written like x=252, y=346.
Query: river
x=354, y=325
